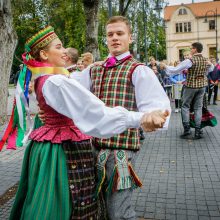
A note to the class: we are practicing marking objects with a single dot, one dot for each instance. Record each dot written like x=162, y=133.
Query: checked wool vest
x=113, y=85
x=196, y=77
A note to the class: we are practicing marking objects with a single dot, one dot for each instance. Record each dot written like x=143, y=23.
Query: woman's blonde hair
x=87, y=59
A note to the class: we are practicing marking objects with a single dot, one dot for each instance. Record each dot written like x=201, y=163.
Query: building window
x=183, y=27
x=182, y=11
x=189, y=27
x=211, y=24
x=212, y=51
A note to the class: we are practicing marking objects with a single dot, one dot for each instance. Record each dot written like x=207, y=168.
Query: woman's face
x=80, y=65
x=55, y=54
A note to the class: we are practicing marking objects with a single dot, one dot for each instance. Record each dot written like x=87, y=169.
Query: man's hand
x=41, y=115
x=154, y=120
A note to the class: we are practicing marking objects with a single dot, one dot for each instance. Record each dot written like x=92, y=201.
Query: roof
x=198, y=9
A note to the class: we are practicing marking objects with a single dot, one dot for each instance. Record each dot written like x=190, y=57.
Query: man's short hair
x=73, y=54
x=116, y=19
x=198, y=46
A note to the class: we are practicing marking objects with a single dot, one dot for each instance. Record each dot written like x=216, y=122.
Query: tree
x=8, y=40
x=123, y=8
x=91, y=14
x=67, y=17
x=26, y=22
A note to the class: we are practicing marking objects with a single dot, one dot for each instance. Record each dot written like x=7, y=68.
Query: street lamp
x=216, y=28
x=145, y=29
x=109, y=8
x=157, y=9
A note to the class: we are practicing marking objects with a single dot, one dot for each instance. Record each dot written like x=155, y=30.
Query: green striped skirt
x=43, y=191
x=57, y=182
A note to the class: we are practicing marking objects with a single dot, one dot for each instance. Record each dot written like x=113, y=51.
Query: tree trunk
x=123, y=8
x=8, y=40
x=91, y=13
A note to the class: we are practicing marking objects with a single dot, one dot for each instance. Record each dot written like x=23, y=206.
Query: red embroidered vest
x=57, y=127
x=114, y=87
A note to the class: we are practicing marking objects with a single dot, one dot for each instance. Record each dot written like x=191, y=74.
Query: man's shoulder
x=133, y=60
x=199, y=56
x=96, y=68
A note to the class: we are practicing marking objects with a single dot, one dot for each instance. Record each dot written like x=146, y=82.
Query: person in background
x=187, y=54
x=152, y=62
x=168, y=83
x=213, y=80
x=80, y=65
x=178, y=80
x=155, y=70
x=73, y=66
x=87, y=59
x=72, y=56
x=17, y=74
x=196, y=82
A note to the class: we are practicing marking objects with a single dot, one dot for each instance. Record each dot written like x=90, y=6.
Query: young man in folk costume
x=57, y=179
x=122, y=81
x=196, y=82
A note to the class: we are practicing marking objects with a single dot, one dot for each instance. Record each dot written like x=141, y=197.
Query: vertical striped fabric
x=43, y=191
x=81, y=172
x=196, y=78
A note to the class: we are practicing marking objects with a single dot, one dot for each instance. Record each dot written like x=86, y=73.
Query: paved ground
x=181, y=178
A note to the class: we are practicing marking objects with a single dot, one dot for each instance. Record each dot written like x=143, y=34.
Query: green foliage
x=103, y=17
x=26, y=21
x=68, y=19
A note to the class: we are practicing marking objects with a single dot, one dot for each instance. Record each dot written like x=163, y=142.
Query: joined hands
x=154, y=120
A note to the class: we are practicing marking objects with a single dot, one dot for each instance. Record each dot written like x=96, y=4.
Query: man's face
x=118, y=38
x=193, y=50
x=153, y=61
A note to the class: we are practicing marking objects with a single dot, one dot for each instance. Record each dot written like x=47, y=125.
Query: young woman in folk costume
x=57, y=178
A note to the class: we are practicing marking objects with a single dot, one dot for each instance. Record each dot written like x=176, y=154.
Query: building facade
x=189, y=23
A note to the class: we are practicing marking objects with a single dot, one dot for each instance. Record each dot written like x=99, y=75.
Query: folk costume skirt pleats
x=57, y=182
x=43, y=191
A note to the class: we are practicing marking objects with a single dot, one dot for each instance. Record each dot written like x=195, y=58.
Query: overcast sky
x=178, y=2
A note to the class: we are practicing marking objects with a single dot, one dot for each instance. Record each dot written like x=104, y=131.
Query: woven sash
x=123, y=175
